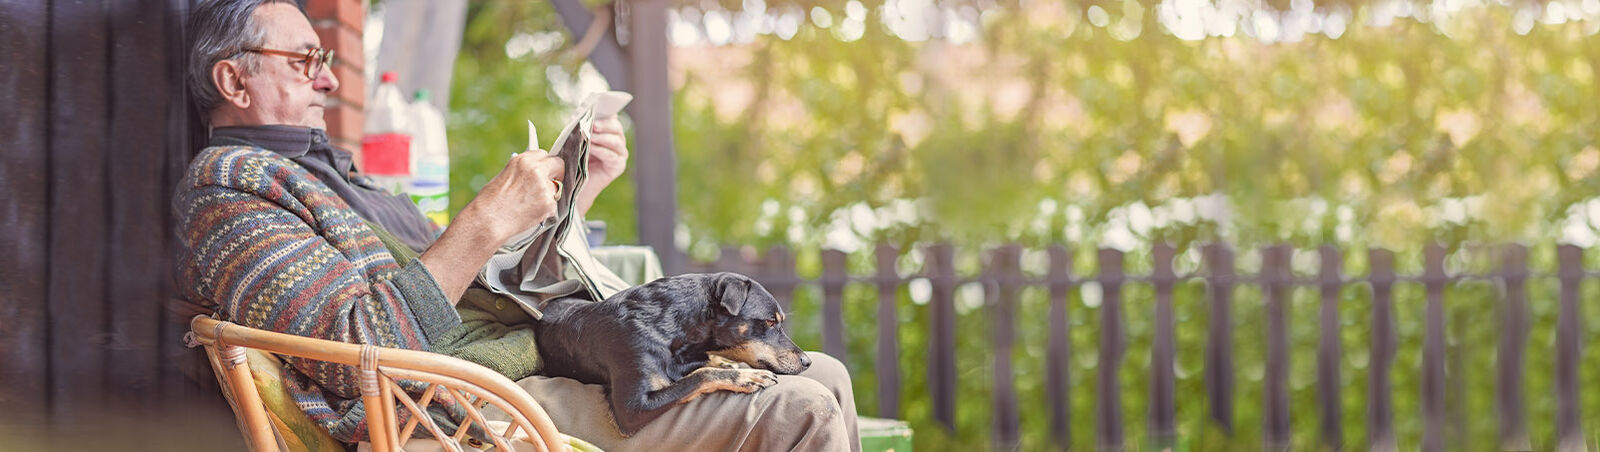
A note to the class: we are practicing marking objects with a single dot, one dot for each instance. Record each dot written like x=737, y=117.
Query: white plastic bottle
x=430, y=157
x=386, y=143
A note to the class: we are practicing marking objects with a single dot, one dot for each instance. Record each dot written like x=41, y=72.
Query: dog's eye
x=772, y=323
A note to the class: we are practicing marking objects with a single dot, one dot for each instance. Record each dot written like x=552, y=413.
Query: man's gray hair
x=221, y=30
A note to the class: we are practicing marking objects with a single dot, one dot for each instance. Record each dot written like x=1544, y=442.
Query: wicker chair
x=472, y=386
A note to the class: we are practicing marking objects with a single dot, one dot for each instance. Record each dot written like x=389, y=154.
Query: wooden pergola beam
x=607, y=55
x=639, y=66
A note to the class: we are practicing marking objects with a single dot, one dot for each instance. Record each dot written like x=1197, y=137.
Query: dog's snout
x=805, y=361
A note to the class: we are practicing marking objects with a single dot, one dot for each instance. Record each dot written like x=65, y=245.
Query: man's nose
x=326, y=81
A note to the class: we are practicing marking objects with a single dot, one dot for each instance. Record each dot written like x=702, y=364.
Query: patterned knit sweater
x=271, y=247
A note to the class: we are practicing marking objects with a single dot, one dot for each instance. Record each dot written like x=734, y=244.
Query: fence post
x=1058, y=360
x=731, y=259
x=1163, y=427
x=1113, y=343
x=1277, y=284
x=833, y=281
x=1509, y=359
x=781, y=280
x=1569, y=351
x=1433, y=350
x=1380, y=401
x=1330, y=280
x=1219, y=338
x=1004, y=275
x=888, y=359
x=941, y=335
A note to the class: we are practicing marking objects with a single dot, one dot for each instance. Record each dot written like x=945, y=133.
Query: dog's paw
x=752, y=380
x=734, y=380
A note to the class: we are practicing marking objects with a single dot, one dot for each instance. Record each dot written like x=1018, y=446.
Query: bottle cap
x=420, y=95
x=390, y=77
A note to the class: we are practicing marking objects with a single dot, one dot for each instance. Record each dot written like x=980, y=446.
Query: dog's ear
x=735, y=290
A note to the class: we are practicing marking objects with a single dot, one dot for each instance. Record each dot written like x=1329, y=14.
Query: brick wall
x=338, y=24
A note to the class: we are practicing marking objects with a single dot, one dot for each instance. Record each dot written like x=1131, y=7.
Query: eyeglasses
x=314, y=59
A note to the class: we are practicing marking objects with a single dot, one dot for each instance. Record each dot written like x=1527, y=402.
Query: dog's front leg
x=637, y=400
x=725, y=363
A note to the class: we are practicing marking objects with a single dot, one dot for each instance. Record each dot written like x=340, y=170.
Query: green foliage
x=493, y=96
x=1050, y=129
x=1288, y=134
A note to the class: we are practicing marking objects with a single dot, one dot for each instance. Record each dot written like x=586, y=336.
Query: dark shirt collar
x=288, y=141
x=291, y=142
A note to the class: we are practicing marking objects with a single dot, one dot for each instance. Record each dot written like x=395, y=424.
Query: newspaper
x=529, y=267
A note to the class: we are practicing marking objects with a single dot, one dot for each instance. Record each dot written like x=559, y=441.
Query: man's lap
x=800, y=410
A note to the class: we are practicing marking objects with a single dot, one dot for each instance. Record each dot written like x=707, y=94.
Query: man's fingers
x=552, y=167
x=608, y=125
x=614, y=143
x=546, y=166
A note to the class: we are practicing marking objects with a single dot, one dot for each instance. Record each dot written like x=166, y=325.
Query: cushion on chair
x=298, y=431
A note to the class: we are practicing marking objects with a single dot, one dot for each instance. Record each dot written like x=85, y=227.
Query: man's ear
x=735, y=290
x=228, y=77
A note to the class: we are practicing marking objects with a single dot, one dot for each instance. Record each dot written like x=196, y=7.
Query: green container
x=884, y=435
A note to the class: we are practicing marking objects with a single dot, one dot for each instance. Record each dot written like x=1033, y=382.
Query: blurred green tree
x=1109, y=123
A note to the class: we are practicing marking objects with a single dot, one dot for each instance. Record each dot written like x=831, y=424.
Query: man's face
x=280, y=92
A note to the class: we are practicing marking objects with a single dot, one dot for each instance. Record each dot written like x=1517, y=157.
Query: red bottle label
x=386, y=154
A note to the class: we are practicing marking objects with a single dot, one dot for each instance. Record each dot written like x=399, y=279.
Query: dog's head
x=747, y=326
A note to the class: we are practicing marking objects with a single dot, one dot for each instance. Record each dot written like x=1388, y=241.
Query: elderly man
x=281, y=232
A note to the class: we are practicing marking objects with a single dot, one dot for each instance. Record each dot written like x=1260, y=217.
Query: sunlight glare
x=820, y=17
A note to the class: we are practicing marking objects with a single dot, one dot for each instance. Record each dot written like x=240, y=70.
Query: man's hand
x=608, y=158
x=519, y=198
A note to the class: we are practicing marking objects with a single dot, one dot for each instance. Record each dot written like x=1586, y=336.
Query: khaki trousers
x=813, y=411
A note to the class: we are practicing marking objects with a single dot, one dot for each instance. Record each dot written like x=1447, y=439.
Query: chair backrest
x=470, y=385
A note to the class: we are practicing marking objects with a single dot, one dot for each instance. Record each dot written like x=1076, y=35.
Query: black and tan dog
x=650, y=345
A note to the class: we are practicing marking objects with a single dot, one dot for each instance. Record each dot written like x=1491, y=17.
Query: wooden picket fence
x=1002, y=280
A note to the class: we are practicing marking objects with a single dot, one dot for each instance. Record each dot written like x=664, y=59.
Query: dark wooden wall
x=96, y=130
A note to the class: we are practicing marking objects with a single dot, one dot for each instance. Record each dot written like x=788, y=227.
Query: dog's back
x=579, y=338
x=649, y=345
x=561, y=340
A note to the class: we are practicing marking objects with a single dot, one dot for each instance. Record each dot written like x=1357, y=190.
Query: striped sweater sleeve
x=274, y=249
